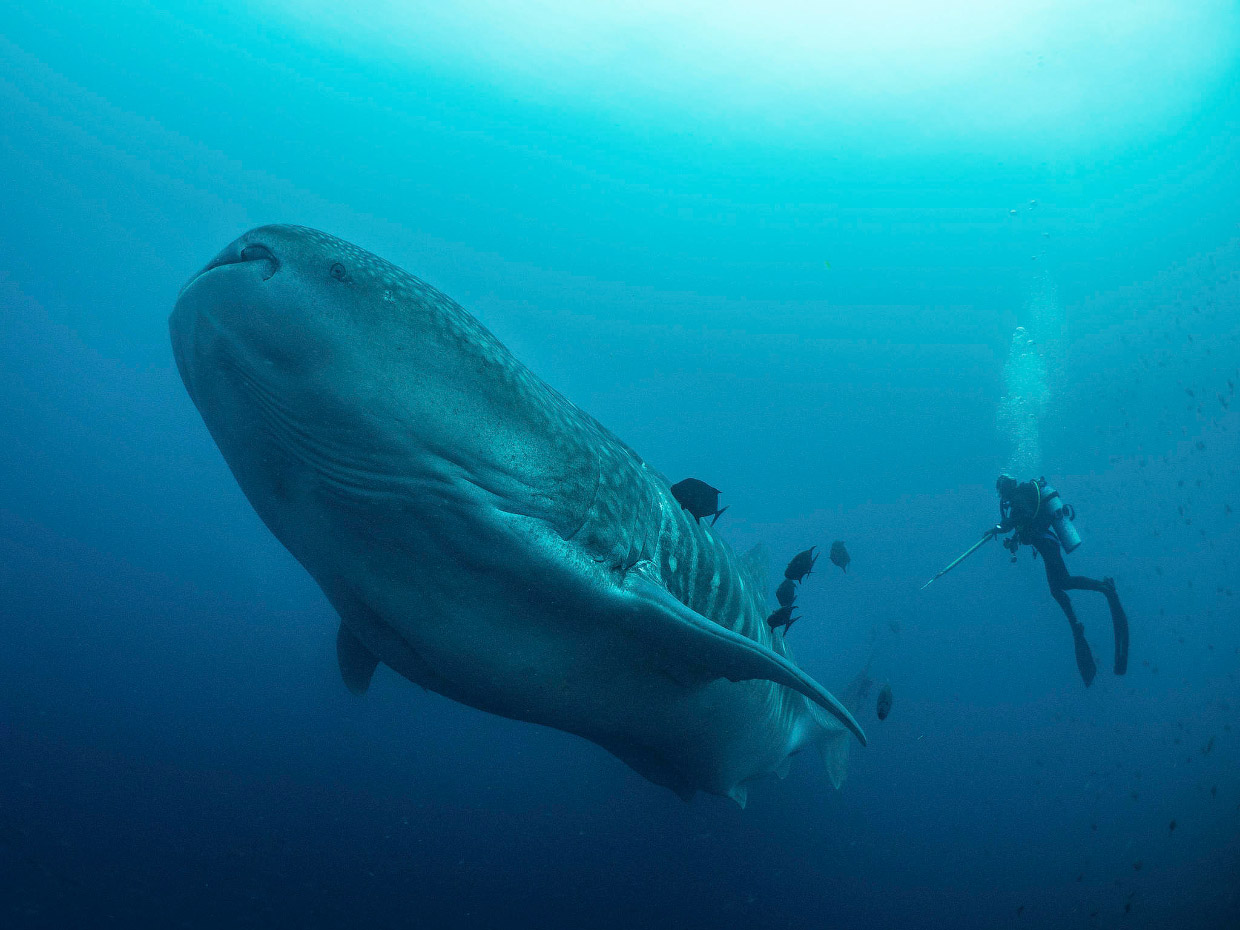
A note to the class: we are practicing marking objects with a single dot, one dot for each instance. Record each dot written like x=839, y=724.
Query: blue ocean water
x=782, y=248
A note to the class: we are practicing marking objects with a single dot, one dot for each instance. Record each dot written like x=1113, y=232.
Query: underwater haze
x=846, y=263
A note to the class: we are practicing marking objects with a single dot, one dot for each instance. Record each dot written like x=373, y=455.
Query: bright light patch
x=947, y=68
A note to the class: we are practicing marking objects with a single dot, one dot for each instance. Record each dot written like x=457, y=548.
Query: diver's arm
x=1007, y=519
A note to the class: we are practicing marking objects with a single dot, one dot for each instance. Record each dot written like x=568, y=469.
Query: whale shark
x=478, y=533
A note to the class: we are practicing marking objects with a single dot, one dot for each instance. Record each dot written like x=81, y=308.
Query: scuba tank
x=1060, y=516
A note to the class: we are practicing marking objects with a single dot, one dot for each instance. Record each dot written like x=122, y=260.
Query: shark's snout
x=224, y=305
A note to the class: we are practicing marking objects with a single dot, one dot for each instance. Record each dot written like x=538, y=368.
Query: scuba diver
x=1040, y=519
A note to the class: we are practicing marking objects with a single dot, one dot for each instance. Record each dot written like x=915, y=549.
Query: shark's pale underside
x=476, y=531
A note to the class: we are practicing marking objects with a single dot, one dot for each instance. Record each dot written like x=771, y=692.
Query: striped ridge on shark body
x=476, y=531
x=636, y=521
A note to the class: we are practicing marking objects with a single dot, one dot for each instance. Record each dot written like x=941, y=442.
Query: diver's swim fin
x=1119, y=620
x=1084, y=658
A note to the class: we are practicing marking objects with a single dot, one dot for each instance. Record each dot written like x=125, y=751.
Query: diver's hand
x=995, y=530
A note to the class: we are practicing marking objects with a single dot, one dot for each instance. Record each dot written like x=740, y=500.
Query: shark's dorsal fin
x=357, y=663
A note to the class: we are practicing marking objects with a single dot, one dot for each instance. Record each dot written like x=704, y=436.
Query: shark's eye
x=338, y=272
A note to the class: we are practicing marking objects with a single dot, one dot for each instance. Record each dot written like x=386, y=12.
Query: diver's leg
x=1056, y=574
x=1084, y=657
x=1081, y=583
x=1119, y=620
x=1056, y=571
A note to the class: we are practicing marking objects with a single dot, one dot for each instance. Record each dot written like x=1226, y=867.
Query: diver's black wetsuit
x=1022, y=510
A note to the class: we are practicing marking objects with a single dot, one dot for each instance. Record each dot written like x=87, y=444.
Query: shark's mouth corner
x=254, y=252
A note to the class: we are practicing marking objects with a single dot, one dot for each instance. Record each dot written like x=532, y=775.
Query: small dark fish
x=786, y=593
x=1136, y=866
x=802, y=564
x=839, y=555
x=1208, y=747
x=699, y=498
x=1020, y=910
x=1171, y=826
x=782, y=617
x=884, y=702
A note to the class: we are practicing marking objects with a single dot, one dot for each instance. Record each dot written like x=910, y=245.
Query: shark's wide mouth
x=193, y=307
x=238, y=254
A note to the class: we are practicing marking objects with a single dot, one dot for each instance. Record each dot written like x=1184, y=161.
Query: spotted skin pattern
x=420, y=452
x=632, y=522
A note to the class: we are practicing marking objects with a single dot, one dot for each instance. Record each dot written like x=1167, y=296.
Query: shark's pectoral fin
x=357, y=663
x=689, y=645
